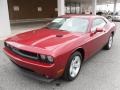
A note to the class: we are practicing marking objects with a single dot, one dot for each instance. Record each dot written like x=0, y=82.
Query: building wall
x=28, y=9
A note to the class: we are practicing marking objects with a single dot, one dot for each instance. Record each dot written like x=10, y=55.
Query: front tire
x=109, y=44
x=73, y=66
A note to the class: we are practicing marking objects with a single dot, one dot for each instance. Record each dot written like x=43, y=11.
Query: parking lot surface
x=101, y=72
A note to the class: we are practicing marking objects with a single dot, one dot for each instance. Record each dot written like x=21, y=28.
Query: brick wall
x=28, y=9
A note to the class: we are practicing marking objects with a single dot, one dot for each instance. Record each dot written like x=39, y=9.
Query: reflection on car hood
x=44, y=38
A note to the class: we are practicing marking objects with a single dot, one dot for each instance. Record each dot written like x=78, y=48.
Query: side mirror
x=96, y=31
x=99, y=30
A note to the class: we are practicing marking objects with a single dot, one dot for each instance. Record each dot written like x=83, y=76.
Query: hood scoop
x=59, y=35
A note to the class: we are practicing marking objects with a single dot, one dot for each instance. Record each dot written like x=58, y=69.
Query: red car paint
x=46, y=42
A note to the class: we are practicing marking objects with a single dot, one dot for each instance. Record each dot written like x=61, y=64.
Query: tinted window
x=98, y=23
x=69, y=24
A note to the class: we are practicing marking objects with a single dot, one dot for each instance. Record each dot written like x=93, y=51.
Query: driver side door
x=96, y=39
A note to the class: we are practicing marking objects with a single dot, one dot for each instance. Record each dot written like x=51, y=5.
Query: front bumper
x=44, y=69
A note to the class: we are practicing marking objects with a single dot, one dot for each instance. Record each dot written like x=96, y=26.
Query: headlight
x=50, y=59
x=43, y=57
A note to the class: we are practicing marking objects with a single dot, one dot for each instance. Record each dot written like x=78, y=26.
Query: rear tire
x=73, y=66
x=108, y=46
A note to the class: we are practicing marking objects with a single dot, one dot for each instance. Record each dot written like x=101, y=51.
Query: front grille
x=23, y=53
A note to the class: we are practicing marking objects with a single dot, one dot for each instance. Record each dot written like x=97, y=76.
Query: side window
x=98, y=23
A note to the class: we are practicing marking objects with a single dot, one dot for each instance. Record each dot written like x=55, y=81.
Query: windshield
x=75, y=24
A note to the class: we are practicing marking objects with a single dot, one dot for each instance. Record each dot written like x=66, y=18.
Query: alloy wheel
x=75, y=66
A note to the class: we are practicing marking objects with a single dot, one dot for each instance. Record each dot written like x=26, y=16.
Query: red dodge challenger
x=60, y=47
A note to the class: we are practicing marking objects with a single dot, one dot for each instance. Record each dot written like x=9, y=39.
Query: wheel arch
x=82, y=51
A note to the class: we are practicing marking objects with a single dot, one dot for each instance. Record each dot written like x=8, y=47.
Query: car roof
x=83, y=16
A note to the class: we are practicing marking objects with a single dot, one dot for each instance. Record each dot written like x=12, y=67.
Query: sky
x=108, y=7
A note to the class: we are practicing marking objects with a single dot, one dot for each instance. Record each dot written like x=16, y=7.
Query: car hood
x=44, y=38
